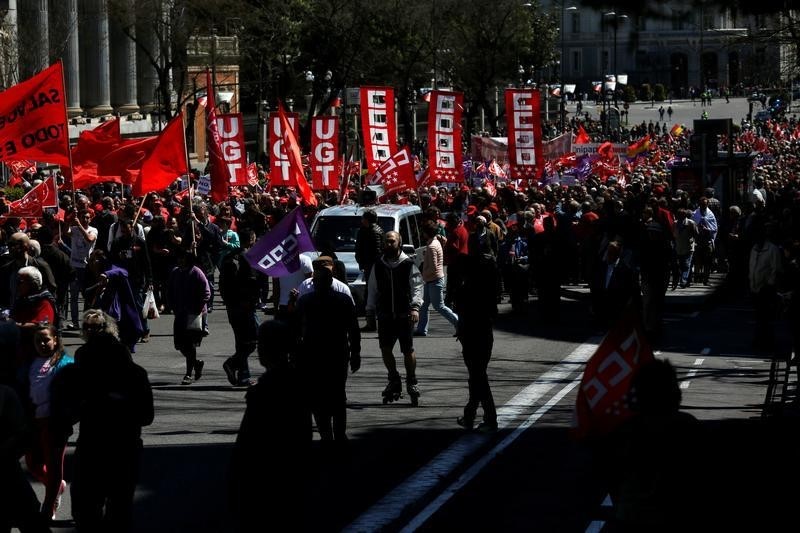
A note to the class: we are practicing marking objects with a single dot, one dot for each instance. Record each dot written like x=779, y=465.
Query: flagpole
x=189, y=175
x=138, y=211
x=66, y=123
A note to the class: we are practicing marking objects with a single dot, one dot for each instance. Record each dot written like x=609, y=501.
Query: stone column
x=123, y=60
x=64, y=38
x=147, y=48
x=9, y=56
x=95, y=75
x=33, y=31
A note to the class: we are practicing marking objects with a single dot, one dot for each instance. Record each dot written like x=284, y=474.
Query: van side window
x=414, y=221
x=404, y=231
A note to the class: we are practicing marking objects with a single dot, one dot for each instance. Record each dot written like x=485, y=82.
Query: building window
x=639, y=22
x=576, y=62
x=576, y=22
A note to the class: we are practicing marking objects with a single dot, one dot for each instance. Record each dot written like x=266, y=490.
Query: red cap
x=464, y=188
x=472, y=211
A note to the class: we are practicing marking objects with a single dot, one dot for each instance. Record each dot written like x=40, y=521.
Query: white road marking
x=693, y=372
x=607, y=502
x=473, y=471
x=417, y=486
x=595, y=527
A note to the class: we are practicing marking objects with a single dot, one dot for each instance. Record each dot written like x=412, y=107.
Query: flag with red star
x=396, y=174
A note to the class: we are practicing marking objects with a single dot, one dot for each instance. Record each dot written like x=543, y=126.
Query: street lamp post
x=562, y=96
x=616, y=18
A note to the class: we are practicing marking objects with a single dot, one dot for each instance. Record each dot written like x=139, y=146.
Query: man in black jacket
x=239, y=286
x=369, y=246
x=395, y=296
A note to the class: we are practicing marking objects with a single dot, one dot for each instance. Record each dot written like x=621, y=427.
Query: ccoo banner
x=231, y=136
x=378, y=125
x=444, y=128
x=324, y=153
x=524, y=133
x=279, y=174
x=33, y=119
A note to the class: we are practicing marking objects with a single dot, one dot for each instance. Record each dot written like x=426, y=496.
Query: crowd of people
x=628, y=234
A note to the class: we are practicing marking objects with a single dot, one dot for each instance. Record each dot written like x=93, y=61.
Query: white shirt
x=293, y=280
x=81, y=249
x=308, y=286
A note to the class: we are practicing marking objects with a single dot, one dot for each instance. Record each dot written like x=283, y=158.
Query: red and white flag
x=278, y=158
x=18, y=168
x=220, y=174
x=396, y=174
x=444, y=136
x=33, y=119
x=603, y=397
x=496, y=170
x=252, y=174
x=524, y=133
x=35, y=201
x=324, y=152
x=378, y=125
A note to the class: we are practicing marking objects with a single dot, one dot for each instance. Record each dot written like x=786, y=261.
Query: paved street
x=414, y=467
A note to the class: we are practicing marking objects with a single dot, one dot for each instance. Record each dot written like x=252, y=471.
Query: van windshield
x=341, y=232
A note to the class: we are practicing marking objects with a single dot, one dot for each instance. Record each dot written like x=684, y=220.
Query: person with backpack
x=239, y=287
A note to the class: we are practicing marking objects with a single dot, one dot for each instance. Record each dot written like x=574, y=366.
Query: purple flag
x=277, y=253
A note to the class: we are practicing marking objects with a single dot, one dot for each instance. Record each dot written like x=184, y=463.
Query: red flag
x=296, y=174
x=583, y=137
x=220, y=175
x=396, y=173
x=603, y=398
x=18, y=168
x=490, y=188
x=93, y=146
x=124, y=163
x=33, y=203
x=424, y=177
x=33, y=119
x=166, y=161
x=606, y=150
x=252, y=174
x=496, y=170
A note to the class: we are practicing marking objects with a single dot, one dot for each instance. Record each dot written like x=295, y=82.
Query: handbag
x=149, y=308
x=194, y=323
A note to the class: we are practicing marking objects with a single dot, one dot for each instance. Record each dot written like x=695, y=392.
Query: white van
x=338, y=227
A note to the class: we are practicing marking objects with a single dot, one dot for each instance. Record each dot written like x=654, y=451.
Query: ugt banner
x=33, y=119
x=524, y=133
x=324, y=153
x=279, y=175
x=378, y=125
x=444, y=133
x=231, y=136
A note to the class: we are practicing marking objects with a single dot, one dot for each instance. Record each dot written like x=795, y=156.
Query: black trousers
x=477, y=351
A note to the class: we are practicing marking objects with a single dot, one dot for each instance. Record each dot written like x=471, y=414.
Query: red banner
x=166, y=161
x=524, y=133
x=18, y=168
x=33, y=119
x=231, y=136
x=252, y=174
x=444, y=136
x=279, y=175
x=33, y=203
x=220, y=177
x=396, y=174
x=324, y=152
x=603, y=397
x=297, y=177
x=378, y=125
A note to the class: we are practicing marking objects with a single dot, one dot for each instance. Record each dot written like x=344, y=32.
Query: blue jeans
x=685, y=268
x=433, y=296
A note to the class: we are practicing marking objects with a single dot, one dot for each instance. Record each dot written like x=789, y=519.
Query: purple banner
x=277, y=253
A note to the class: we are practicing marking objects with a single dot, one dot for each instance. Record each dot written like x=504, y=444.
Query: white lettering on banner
x=280, y=159
x=623, y=370
x=445, y=119
x=523, y=125
x=324, y=151
x=379, y=129
x=591, y=148
x=231, y=144
x=277, y=254
x=204, y=185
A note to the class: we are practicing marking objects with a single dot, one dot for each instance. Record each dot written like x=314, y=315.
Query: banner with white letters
x=444, y=136
x=324, y=156
x=524, y=133
x=279, y=175
x=378, y=125
x=231, y=134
